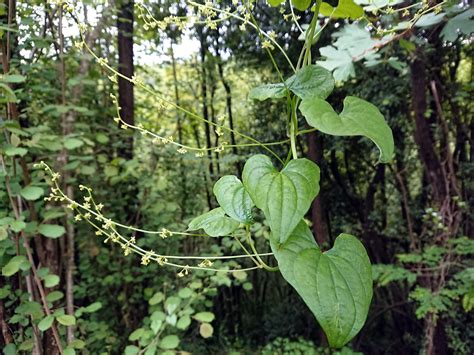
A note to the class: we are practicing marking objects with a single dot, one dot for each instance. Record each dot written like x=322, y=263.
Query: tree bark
x=125, y=67
x=423, y=135
x=320, y=227
x=205, y=110
x=228, y=103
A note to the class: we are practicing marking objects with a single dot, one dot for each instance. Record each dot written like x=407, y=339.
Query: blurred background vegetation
x=414, y=215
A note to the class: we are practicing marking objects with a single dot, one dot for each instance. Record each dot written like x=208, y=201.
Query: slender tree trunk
x=205, y=110
x=125, y=67
x=228, y=103
x=213, y=118
x=441, y=183
x=67, y=124
x=423, y=135
x=320, y=227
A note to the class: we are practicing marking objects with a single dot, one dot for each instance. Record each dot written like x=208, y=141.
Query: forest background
x=63, y=282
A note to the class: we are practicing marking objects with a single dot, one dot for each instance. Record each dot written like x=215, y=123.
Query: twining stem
x=310, y=34
x=306, y=61
x=252, y=247
x=293, y=128
x=156, y=94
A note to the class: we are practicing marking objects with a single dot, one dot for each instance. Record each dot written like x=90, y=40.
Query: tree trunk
x=126, y=68
x=423, y=135
x=228, y=103
x=205, y=110
x=441, y=182
x=320, y=227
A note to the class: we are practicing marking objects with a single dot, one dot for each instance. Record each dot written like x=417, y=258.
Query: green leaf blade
x=268, y=91
x=46, y=323
x=66, y=320
x=311, y=81
x=301, y=5
x=215, y=223
x=233, y=198
x=31, y=193
x=300, y=239
x=284, y=197
x=336, y=286
x=358, y=118
x=344, y=9
x=51, y=230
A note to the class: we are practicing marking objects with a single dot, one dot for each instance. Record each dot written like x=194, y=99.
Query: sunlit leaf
x=206, y=330
x=301, y=4
x=66, y=319
x=51, y=280
x=206, y=317
x=46, y=323
x=169, y=342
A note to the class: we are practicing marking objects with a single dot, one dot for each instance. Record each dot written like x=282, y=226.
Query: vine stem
x=252, y=247
x=293, y=128
x=306, y=61
x=127, y=242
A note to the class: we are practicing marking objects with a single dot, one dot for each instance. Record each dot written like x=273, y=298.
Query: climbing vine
x=336, y=284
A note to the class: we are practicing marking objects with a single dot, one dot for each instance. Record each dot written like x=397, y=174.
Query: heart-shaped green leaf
x=233, y=198
x=215, y=223
x=300, y=239
x=358, y=118
x=284, y=197
x=336, y=286
x=310, y=81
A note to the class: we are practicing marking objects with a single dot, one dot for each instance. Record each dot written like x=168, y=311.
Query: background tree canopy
x=147, y=152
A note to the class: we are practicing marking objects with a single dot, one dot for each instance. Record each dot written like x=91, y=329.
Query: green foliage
x=308, y=82
x=119, y=307
x=358, y=118
x=32, y=193
x=461, y=24
x=285, y=196
x=301, y=238
x=51, y=230
x=66, y=319
x=215, y=223
x=301, y=346
x=46, y=323
x=344, y=9
x=14, y=265
x=233, y=198
x=336, y=285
